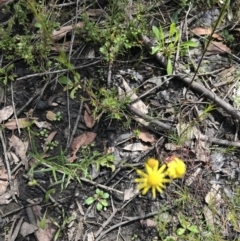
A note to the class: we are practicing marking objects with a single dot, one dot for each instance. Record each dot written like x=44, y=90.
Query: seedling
x=169, y=47
x=43, y=133
x=186, y=226
x=100, y=198
x=51, y=145
x=71, y=85
x=58, y=116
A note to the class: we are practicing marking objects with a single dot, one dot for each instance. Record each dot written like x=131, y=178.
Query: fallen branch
x=194, y=85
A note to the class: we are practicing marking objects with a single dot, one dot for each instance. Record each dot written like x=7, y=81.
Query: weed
x=109, y=104
x=100, y=198
x=117, y=33
x=43, y=133
x=51, y=145
x=168, y=49
x=60, y=227
x=6, y=74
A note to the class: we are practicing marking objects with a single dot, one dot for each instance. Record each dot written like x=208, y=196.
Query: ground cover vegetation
x=119, y=120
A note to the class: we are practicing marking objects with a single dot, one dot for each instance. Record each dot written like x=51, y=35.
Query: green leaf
x=42, y=223
x=189, y=43
x=99, y=206
x=98, y=191
x=181, y=231
x=89, y=200
x=104, y=202
x=48, y=193
x=64, y=80
x=193, y=229
x=172, y=30
x=155, y=49
x=157, y=33
x=169, y=67
x=105, y=195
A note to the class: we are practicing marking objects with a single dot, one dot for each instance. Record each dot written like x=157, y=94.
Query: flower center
x=154, y=179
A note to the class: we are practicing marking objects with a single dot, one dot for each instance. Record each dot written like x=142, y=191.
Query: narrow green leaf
x=189, y=43
x=169, y=67
x=156, y=33
x=155, y=49
x=48, y=193
x=172, y=30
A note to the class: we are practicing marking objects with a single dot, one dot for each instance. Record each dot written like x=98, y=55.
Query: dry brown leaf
x=43, y=124
x=47, y=233
x=12, y=157
x=146, y=136
x=218, y=48
x=5, y=113
x=3, y=180
x=49, y=139
x=20, y=148
x=129, y=193
x=136, y=147
x=22, y=123
x=27, y=229
x=205, y=31
x=59, y=34
x=88, y=118
x=139, y=105
x=82, y=140
x=51, y=115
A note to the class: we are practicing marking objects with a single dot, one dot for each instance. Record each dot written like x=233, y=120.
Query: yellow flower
x=154, y=178
x=176, y=168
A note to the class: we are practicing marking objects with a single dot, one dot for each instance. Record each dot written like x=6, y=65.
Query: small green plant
x=43, y=133
x=6, y=74
x=118, y=32
x=70, y=85
x=60, y=227
x=51, y=145
x=58, y=116
x=100, y=198
x=186, y=226
x=168, y=47
x=110, y=104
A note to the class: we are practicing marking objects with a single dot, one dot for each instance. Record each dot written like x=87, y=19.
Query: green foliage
x=60, y=227
x=100, y=198
x=169, y=47
x=117, y=33
x=106, y=101
x=33, y=49
x=6, y=74
x=186, y=226
x=51, y=145
x=72, y=85
x=43, y=133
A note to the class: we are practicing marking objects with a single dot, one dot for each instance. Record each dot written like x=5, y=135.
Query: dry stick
x=148, y=118
x=111, y=217
x=7, y=163
x=194, y=85
x=126, y=222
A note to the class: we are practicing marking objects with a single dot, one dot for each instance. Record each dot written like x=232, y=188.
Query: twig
x=126, y=222
x=194, y=85
x=115, y=210
x=7, y=163
x=151, y=120
x=219, y=141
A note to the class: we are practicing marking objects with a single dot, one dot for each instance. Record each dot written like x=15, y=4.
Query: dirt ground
x=56, y=151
